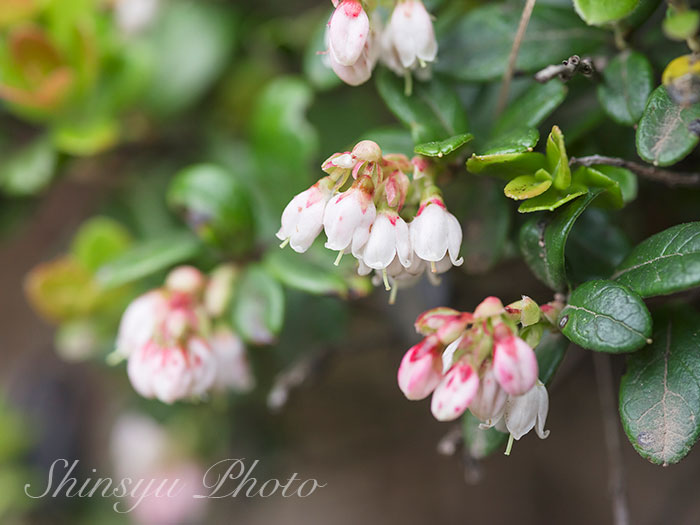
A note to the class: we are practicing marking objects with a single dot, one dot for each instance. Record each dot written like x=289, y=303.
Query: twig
x=298, y=373
x=616, y=468
x=670, y=178
x=567, y=69
x=519, y=35
x=451, y=442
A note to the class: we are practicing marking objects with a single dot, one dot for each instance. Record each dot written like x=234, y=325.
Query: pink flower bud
x=431, y=320
x=232, y=366
x=368, y=151
x=420, y=369
x=515, y=364
x=455, y=392
x=490, y=399
x=348, y=31
x=489, y=307
x=140, y=321
x=185, y=279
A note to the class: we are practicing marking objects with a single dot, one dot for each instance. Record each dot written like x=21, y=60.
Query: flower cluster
x=383, y=209
x=174, y=347
x=357, y=41
x=482, y=361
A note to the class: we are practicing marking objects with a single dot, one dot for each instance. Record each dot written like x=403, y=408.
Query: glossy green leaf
x=542, y=242
x=627, y=83
x=477, y=47
x=517, y=140
x=29, y=169
x=660, y=392
x=149, y=257
x=531, y=108
x=626, y=180
x=663, y=137
x=596, y=246
x=189, y=45
x=665, y=263
x=98, y=241
x=443, y=147
x=304, y=273
x=550, y=353
x=557, y=160
x=216, y=205
x=597, y=12
x=432, y=112
x=607, y=317
x=481, y=442
x=552, y=199
x=590, y=177
x=257, y=311
x=528, y=186
x=507, y=165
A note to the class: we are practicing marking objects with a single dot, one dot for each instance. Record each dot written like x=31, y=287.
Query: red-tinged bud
x=185, y=279
x=453, y=327
x=490, y=399
x=526, y=311
x=455, y=392
x=430, y=321
x=368, y=151
x=515, y=364
x=348, y=31
x=551, y=311
x=420, y=369
x=489, y=307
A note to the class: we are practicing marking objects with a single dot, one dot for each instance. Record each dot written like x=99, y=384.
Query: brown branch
x=670, y=178
x=566, y=70
x=519, y=35
x=616, y=468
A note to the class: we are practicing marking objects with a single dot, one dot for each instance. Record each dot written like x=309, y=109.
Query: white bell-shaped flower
x=348, y=217
x=302, y=219
x=409, y=38
x=388, y=238
x=348, y=31
x=528, y=411
x=140, y=320
x=435, y=233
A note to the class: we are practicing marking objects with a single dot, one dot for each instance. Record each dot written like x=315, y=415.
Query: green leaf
x=596, y=246
x=550, y=353
x=216, y=205
x=598, y=12
x=681, y=25
x=302, y=272
x=606, y=316
x=477, y=47
x=98, y=241
x=531, y=108
x=664, y=263
x=257, y=311
x=624, y=178
x=480, y=443
x=528, y=186
x=589, y=177
x=627, y=83
x=443, y=147
x=28, y=170
x=147, y=258
x=542, y=242
x=518, y=140
x=85, y=137
x=432, y=112
x=557, y=159
x=663, y=137
x=190, y=46
x=507, y=165
x=660, y=392
x=552, y=199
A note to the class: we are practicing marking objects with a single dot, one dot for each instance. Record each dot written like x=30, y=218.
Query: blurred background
x=112, y=111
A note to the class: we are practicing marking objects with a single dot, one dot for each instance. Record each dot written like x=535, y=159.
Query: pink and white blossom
x=525, y=412
x=348, y=217
x=302, y=219
x=455, y=392
x=388, y=238
x=140, y=321
x=348, y=31
x=360, y=71
x=490, y=400
x=435, y=233
x=409, y=39
x=419, y=372
x=233, y=370
x=514, y=364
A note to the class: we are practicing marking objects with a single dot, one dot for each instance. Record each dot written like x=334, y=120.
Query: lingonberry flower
x=490, y=400
x=514, y=362
x=348, y=31
x=170, y=372
x=409, y=39
x=302, y=219
x=359, y=71
x=139, y=321
x=528, y=411
x=420, y=369
x=349, y=215
x=185, y=279
x=388, y=239
x=436, y=233
x=455, y=392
